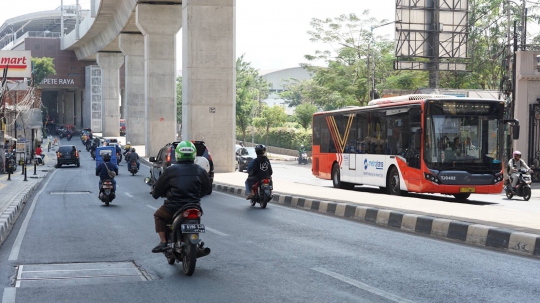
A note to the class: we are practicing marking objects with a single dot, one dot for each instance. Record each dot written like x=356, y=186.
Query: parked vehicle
x=237, y=155
x=166, y=157
x=523, y=185
x=264, y=192
x=106, y=192
x=39, y=160
x=246, y=155
x=122, y=127
x=303, y=158
x=67, y=154
x=11, y=161
x=133, y=168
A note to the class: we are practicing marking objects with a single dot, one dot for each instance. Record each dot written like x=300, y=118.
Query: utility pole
x=62, y=18
x=433, y=65
x=523, y=26
x=77, y=21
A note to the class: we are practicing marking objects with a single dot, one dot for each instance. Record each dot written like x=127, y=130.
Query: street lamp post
x=371, y=76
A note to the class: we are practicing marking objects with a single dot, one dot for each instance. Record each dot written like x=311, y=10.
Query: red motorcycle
x=264, y=194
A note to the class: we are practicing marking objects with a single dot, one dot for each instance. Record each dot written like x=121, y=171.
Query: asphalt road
x=278, y=254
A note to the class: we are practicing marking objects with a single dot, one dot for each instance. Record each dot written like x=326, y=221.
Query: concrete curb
x=12, y=212
x=460, y=231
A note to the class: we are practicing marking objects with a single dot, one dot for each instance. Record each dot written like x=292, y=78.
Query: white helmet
x=203, y=162
x=128, y=143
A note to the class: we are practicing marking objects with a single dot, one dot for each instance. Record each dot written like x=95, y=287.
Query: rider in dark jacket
x=261, y=169
x=102, y=171
x=182, y=183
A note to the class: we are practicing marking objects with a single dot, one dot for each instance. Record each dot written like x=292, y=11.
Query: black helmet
x=106, y=157
x=133, y=150
x=260, y=149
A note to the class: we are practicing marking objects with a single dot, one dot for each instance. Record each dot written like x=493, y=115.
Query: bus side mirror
x=515, y=131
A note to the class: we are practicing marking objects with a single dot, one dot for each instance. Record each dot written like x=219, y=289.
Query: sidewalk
x=15, y=193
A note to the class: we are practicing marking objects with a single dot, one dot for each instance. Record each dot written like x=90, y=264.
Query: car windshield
x=249, y=152
x=65, y=149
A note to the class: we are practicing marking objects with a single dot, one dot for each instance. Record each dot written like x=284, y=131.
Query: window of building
x=73, y=74
x=36, y=46
x=73, y=68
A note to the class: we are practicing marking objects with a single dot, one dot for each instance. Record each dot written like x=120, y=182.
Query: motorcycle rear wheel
x=264, y=200
x=526, y=193
x=189, y=256
x=509, y=194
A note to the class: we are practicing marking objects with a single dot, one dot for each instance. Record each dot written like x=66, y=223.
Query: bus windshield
x=462, y=136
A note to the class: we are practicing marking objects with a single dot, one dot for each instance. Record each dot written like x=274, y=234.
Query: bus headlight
x=498, y=178
x=432, y=178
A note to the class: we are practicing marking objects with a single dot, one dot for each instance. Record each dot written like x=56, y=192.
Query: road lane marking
x=363, y=286
x=127, y=194
x=207, y=228
x=216, y=232
x=9, y=295
x=14, y=255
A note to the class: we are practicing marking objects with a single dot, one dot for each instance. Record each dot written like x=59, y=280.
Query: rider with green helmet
x=182, y=183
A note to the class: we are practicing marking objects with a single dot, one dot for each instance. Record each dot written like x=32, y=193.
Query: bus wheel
x=393, y=182
x=335, y=176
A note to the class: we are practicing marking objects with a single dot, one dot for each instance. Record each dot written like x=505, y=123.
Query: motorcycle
x=303, y=158
x=68, y=136
x=11, y=160
x=106, y=192
x=264, y=192
x=118, y=158
x=183, y=241
x=93, y=154
x=133, y=168
x=39, y=160
x=523, y=185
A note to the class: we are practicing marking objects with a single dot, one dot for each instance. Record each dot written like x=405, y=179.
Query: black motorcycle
x=523, y=185
x=118, y=158
x=184, y=244
x=106, y=192
x=264, y=193
x=93, y=154
x=183, y=241
x=68, y=136
x=133, y=168
x=11, y=160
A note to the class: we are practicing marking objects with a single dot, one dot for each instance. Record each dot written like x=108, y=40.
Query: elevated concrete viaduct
x=142, y=36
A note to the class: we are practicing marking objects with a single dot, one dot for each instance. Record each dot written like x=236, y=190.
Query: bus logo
x=376, y=164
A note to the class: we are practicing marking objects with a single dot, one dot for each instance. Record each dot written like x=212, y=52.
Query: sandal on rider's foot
x=250, y=197
x=160, y=247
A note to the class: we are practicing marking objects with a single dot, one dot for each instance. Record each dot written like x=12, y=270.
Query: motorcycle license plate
x=467, y=189
x=192, y=228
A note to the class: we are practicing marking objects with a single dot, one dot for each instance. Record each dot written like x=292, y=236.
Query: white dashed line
x=152, y=207
x=127, y=194
x=216, y=232
x=363, y=286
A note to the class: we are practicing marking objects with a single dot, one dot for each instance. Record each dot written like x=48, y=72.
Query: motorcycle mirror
x=148, y=181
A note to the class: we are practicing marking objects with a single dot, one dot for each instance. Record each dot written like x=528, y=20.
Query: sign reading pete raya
x=19, y=63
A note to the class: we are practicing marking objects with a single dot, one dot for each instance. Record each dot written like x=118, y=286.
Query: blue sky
x=271, y=33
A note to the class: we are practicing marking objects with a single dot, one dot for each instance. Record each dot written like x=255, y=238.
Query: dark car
x=67, y=154
x=167, y=156
x=245, y=155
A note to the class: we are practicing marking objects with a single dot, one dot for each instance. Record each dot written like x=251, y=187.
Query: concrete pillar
x=78, y=109
x=160, y=72
x=69, y=106
x=60, y=107
x=209, y=78
x=132, y=45
x=110, y=64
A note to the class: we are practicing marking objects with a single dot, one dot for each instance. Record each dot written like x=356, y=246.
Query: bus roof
x=405, y=99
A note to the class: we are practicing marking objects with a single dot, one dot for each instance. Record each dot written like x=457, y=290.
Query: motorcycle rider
x=133, y=156
x=103, y=173
x=127, y=149
x=181, y=184
x=93, y=148
x=261, y=169
x=300, y=151
x=514, y=165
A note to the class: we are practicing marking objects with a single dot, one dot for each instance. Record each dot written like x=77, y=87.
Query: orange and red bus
x=415, y=143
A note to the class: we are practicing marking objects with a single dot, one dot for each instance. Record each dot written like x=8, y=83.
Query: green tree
x=304, y=113
x=270, y=117
x=179, y=99
x=42, y=68
x=251, y=89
